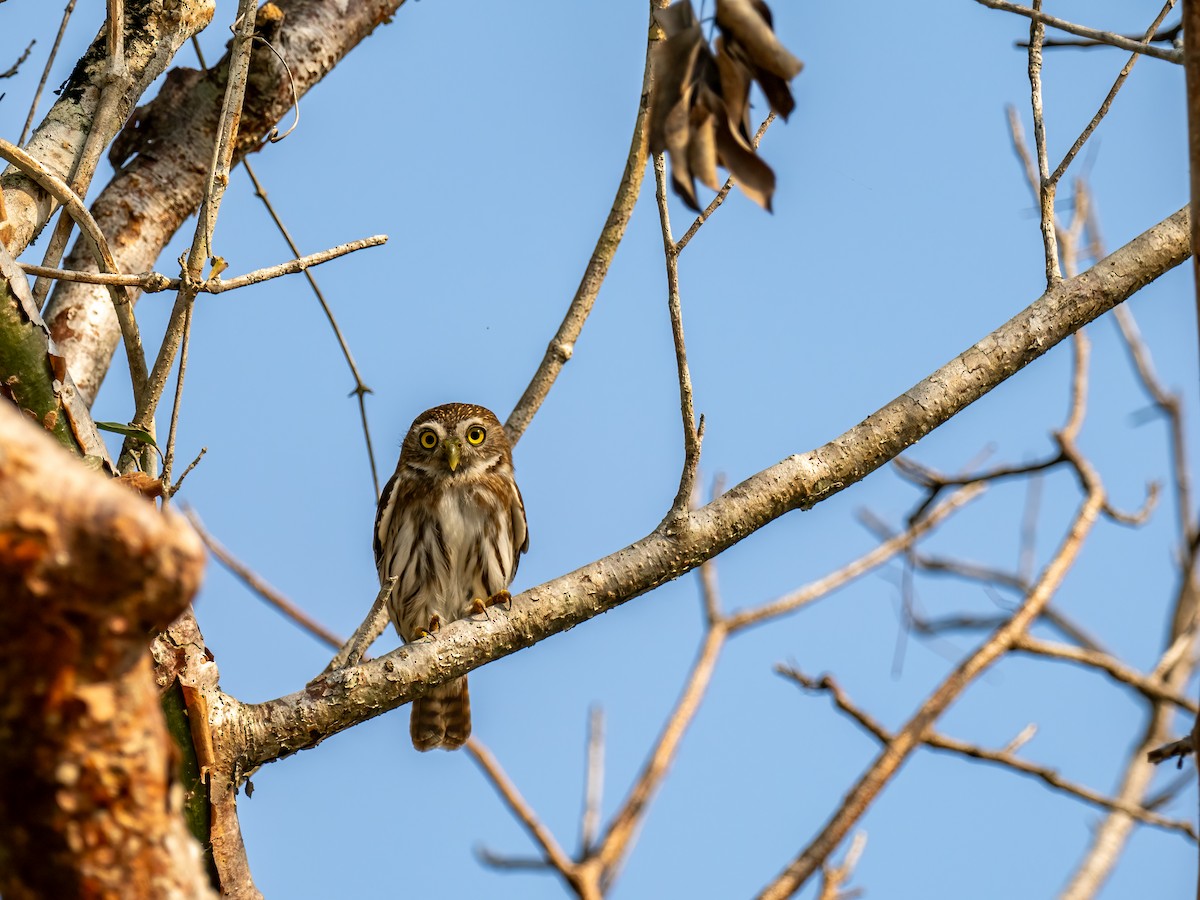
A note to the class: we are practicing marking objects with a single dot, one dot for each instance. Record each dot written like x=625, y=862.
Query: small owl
x=451, y=526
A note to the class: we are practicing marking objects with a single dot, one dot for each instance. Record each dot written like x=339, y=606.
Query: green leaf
x=129, y=431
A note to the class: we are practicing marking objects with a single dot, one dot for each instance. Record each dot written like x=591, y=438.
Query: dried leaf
x=702, y=148
x=700, y=101
x=753, y=176
x=673, y=61
x=736, y=77
x=749, y=23
x=146, y=485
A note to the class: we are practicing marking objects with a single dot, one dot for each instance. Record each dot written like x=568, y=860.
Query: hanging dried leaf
x=748, y=23
x=700, y=102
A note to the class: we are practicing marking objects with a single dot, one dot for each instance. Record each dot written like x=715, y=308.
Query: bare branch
x=519, y=808
x=1091, y=126
x=907, y=739
x=1005, y=757
x=593, y=794
x=692, y=434
x=877, y=556
x=563, y=343
x=300, y=720
x=1150, y=687
x=260, y=587
x=37, y=94
x=1103, y=37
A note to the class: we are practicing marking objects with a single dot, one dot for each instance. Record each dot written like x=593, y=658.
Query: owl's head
x=456, y=439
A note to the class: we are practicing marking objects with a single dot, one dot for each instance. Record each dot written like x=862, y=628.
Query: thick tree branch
x=88, y=569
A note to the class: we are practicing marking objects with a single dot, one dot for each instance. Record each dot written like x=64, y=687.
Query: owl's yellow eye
x=475, y=435
x=428, y=439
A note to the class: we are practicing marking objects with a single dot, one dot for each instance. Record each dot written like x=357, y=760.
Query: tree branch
x=297, y=721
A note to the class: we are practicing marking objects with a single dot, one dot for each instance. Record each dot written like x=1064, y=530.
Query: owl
x=451, y=527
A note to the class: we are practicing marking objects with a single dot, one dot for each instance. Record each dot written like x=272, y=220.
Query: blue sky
x=487, y=140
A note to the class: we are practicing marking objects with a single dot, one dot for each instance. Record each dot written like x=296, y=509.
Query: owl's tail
x=442, y=718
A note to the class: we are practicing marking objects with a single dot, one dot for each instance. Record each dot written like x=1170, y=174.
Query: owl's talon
x=435, y=624
x=500, y=597
x=479, y=605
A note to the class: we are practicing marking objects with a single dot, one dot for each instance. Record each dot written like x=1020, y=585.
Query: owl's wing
x=383, y=518
x=520, y=529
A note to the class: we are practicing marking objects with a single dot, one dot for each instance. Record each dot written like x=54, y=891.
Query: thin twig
x=593, y=792
x=692, y=433
x=562, y=346
x=518, y=807
x=94, y=237
x=865, y=563
x=186, y=472
x=1046, y=187
x=1104, y=37
x=618, y=837
x=354, y=650
x=177, y=404
x=37, y=94
x=260, y=587
x=218, y=179
x=16, y=67
x=1061, y=169
x=154, y=282
x=1006, y=757
x=360, y=387
x=112, y=90
x=1148, y=686
x=716, y=201
x=910, y=737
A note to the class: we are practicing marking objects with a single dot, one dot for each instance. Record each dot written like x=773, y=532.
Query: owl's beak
x=453, y=453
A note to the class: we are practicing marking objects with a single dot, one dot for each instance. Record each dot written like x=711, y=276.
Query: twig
x=218, y=179
x=1104, y=37
x=354, y=651
x=1046, y=187
x=37, y=94
x=75, y=207
x=1171, y=408
x=563, y=343
x=360, y=387
x=865, y=563
x=195, y=462
x=260, y=587
x=16, y=67
x=716, y=201
x=692, y=433
x=154, y=282
x=1175, y=750
x=909, y=738
x=1061, y=169
x=1006, y=757
x=618, y=836
x=833, y=877
x=518, y=807
x=113, y=87
x=593, y=794
x=1150, y=687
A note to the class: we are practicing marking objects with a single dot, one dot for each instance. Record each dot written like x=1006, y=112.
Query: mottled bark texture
x=89, y=570
x=154, y=31
x=164, y=154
